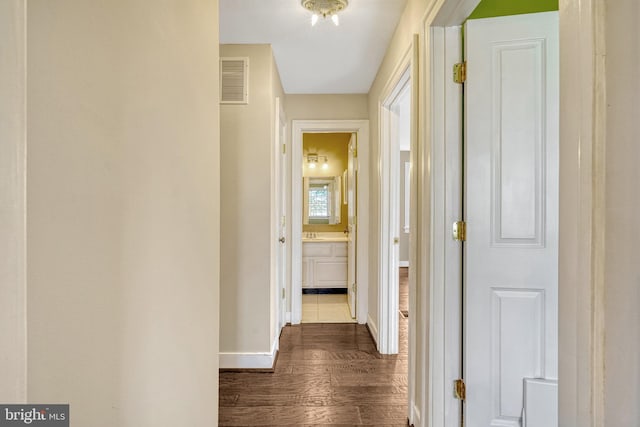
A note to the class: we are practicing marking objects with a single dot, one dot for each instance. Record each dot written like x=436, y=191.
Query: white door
x=281, y=209
x=352, y=226
x=511, y=213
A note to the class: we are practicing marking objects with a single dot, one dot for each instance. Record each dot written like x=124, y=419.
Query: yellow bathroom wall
x=335, y=147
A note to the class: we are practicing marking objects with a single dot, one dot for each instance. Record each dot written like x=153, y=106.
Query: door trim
x=361, y=128
x=446, y=261
x=280, y=190
x=388, y=208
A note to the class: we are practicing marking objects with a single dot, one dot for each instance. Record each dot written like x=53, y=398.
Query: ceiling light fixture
x=325, y=8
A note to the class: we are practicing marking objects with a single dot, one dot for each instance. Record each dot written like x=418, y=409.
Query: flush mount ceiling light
x=325, y=8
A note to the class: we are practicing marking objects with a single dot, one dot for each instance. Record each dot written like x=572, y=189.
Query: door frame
x=389, y=207
x=278, y=210
x=361, y=129
x=445, y=335
x=581, y=248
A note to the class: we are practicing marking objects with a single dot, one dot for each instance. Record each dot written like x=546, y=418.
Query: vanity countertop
x=324, y=237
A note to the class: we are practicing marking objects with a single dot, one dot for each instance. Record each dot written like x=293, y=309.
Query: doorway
x=358, y=291
x=328, y=233
x=394, y=198
x=497, y=332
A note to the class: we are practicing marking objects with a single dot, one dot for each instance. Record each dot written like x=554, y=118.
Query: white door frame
x=278, y=209
x=446, y=206
x=582, y=115
x=361, y=128
x=388, y=208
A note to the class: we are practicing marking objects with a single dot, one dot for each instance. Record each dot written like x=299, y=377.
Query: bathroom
x=328, y=230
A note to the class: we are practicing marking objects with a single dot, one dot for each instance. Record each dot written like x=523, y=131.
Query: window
x=319, y=202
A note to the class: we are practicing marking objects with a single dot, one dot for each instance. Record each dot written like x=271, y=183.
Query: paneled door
x=352, y=228
x=511, y=213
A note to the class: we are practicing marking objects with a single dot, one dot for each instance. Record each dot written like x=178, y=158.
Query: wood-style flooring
x=326, y=375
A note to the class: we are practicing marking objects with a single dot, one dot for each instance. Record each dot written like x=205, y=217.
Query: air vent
x=234, y=80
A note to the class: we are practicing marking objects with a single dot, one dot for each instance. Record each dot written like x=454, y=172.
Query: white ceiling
x=324, y=59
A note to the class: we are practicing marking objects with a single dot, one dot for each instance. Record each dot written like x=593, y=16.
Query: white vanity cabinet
x=324, y=264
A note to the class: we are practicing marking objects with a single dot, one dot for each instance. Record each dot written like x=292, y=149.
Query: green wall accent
x=493, y=8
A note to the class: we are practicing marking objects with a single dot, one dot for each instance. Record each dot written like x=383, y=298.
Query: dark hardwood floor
x=326, y=375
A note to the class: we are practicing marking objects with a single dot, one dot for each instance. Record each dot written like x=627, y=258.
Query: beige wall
x=247, y=138
x=13, y=331
x=123, y=210
x=622, y=270
x=327, y=107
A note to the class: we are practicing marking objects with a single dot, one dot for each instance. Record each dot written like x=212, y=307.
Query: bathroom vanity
x=324, y=260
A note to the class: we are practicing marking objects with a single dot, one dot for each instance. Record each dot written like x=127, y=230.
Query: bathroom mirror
x=322, y=200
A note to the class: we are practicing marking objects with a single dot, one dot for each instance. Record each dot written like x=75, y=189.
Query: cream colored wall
x=13, y=322
x=327, y=107
x=247, y=133
x=622, y=270
x=123, y=210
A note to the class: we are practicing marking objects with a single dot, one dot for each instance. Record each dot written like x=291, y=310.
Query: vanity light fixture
x=325, y=8
x=313, y=159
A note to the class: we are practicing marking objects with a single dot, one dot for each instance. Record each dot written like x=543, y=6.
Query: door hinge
x=354, y=151
x=460, y=231
x=284, y=148
x=354, y=287
x=459, y=389
x=460, y=72
x=283, y=293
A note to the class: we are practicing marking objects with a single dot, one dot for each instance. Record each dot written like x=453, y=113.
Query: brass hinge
x=354, y=151
x=283, y=293
x=284, y=148
x=460, y=231
x=459, y=389
x=460, y=72
x=354, y=287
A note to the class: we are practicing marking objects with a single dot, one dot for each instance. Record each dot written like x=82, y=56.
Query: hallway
x=326, y=374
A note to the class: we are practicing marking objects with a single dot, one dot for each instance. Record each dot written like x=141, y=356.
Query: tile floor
x=331, y=308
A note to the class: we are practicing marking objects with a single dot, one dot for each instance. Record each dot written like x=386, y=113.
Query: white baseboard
x=403, y=264
x=249, y=360
x=373, y=328
x=287, y=317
